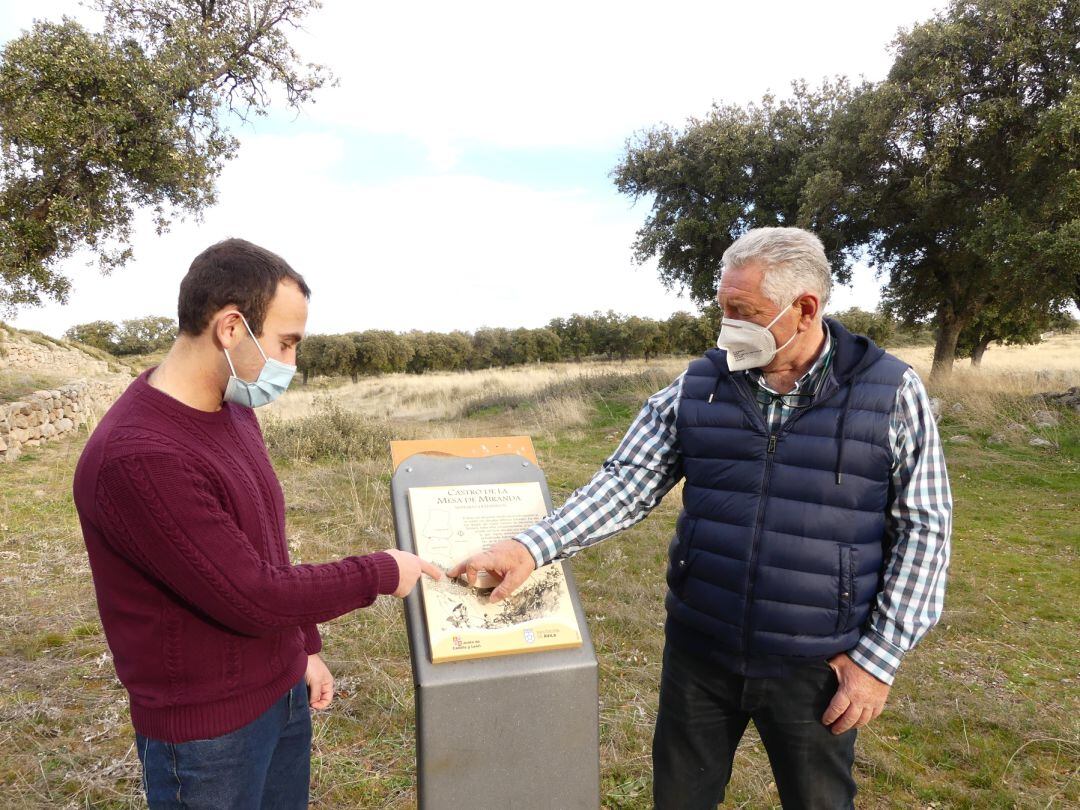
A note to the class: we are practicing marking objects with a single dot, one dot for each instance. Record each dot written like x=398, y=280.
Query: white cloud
x=571, y=73
x=438, y=252
x=450, y=250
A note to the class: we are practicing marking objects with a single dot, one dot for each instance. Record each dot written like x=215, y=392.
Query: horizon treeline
x=600, y=335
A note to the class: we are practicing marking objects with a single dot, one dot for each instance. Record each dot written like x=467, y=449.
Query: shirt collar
x=820, y=363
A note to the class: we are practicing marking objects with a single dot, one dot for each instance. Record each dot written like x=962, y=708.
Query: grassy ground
x=984, y=713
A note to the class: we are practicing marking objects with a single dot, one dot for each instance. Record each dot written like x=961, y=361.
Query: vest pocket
x=846, y=593
x=679, y=553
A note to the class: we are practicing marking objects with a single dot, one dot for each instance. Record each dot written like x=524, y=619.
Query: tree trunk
x=949, y=328
x=979, y=350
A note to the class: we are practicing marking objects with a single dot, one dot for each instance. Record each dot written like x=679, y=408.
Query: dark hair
x=233, y=272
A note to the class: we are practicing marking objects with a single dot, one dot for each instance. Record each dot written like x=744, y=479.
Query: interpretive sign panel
x=454, y=522
x=482, y=722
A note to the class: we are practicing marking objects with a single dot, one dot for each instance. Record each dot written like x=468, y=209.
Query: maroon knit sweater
x=184, y=522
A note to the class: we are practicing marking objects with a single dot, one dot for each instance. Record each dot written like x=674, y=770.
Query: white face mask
x=749, y=345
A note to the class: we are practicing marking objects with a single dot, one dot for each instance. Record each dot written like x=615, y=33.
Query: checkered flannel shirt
x=646, y=466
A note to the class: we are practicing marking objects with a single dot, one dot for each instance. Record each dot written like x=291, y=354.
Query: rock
x=961, y=438
x=1045, y=419
x=18, y=435
x=957, y=407
x=64, y=425
x=1039, y=441
x=3, y=445
x=935, y=407
x=48, y=430
x=1066, y=399
x=997, y=438
x=1016, y=427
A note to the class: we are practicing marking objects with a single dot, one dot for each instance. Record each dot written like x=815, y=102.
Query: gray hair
x=793, y=262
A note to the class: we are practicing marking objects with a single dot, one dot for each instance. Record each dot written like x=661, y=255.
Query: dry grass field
x=985, y=713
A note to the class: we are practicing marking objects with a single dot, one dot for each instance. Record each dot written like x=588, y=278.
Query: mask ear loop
x=255, y=339
x=774, y=320
x=232, y=368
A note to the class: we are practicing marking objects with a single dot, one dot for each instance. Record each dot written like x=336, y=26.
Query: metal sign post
x=512, y=731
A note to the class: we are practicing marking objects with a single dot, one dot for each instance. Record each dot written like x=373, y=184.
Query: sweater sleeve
x=164, y=515
x=312, y=639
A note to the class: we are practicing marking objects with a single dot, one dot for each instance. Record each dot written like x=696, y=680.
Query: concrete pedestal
x=513, y=731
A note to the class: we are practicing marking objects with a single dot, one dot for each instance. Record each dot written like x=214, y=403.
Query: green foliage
x=878, y=326
x=147, y=335
x=99, y=334
x=958, y=174
x=94, y=126
x=966, y=172
x=379, y=352
x=737, y=168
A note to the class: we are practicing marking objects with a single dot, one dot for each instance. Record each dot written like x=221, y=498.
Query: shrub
x=331, y=432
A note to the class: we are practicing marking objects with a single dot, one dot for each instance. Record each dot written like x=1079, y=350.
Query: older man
x=811, y=551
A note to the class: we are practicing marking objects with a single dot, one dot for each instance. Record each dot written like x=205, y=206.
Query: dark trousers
x=265, y=764
x=704, y=710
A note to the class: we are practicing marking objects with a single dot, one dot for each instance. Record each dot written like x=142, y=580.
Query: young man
x=212, y=629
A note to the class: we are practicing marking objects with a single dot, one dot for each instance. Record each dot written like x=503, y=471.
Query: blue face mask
x=271, y=384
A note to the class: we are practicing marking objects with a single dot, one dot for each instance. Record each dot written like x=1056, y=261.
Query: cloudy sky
x=459, y=174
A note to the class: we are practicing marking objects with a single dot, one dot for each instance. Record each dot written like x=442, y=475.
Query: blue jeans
x=265, y=764
x=704, y=710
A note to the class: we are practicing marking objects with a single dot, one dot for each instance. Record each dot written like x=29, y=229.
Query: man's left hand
x=320, y=683
x=859, y=699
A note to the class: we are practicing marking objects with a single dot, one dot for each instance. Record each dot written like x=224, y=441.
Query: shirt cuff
x=542, y=541
x=312, y=639
x=877, y=656
x=387, y=569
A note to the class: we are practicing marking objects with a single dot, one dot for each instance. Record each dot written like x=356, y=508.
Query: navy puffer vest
x=778, y=551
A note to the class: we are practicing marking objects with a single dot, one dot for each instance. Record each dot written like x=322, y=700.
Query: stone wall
x=18, y=351
x=46, y=416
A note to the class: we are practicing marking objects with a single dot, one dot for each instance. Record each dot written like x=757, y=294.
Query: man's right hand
x=507, y=560
x=410, y=567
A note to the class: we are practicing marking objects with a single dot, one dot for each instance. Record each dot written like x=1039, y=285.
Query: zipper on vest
x=752, y=569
